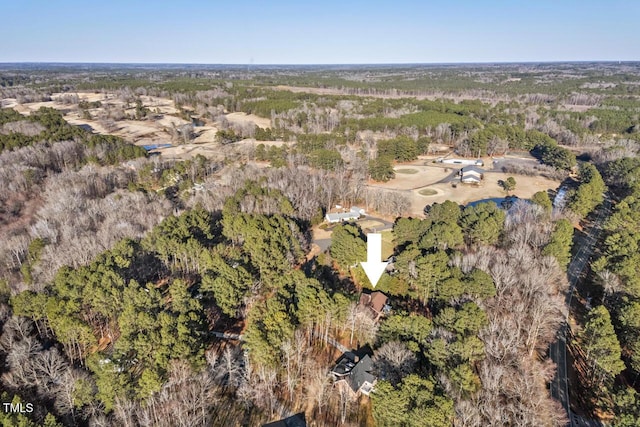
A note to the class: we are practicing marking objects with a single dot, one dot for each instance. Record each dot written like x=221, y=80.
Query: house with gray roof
x=355, y=371
x=471, y=174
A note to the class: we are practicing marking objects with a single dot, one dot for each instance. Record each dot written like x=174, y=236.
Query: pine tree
x=560, y=244
x=601, y=345
x=541, y=198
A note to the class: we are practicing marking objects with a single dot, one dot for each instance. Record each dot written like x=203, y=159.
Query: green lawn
x=427, y=192
x=387, y=243
x=407, y=171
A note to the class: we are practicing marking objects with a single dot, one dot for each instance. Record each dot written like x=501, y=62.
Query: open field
x=242, y=118
x=526, y=187
x=407, y=171
x=423, y=175
x=432, y=184
x=187, y=151
x=206, y=134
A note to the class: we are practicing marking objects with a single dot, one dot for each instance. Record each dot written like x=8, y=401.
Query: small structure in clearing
x=352, y=214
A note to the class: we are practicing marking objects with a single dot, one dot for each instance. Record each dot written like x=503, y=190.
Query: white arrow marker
x=374, y=267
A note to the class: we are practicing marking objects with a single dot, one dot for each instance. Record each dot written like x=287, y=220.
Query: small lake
x=502, y=202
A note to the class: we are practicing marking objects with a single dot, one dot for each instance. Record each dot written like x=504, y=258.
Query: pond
x=502, y=202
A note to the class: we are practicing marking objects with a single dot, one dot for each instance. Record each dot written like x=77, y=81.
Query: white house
x=353, y=214
x=470, y=180
x=471, y=175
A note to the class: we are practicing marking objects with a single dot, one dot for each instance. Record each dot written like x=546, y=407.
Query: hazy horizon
x=361, y=64
x=328, y=33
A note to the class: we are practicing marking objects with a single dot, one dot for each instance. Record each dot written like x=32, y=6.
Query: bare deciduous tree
x=393, y=361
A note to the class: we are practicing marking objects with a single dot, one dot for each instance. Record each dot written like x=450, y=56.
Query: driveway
x=324, y=242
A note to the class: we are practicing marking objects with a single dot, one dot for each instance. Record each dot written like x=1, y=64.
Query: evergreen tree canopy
x=600, y=343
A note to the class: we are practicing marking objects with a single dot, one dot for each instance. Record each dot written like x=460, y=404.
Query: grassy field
x=427, y=192
x=407, y=171
x=387, y=243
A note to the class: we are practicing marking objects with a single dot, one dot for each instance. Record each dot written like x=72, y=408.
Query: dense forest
x=140, y=289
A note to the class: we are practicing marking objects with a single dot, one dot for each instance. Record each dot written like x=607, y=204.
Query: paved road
x=558, y=349
x=323, y=244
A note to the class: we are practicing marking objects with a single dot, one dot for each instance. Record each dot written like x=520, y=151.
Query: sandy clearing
x=170, y=121
x=83, y=96
x=241, y=118
x=75, y=119
x=139, y=132
x=93, y=97
x=135, y=129
x=27, y=109
x=188, y=151
x=206, y=135
x=8, y=103
x=164, y=105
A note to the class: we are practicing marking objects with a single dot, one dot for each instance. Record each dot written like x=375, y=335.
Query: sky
x=318, y=32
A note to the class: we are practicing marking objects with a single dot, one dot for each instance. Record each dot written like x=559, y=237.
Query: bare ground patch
x=242, y=118
x=187, y=151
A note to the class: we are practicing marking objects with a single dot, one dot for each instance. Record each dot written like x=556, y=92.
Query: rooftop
x=375, y=301
x=355, y=371
x=360, y=375
x=341, y=216
x=473, y=169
